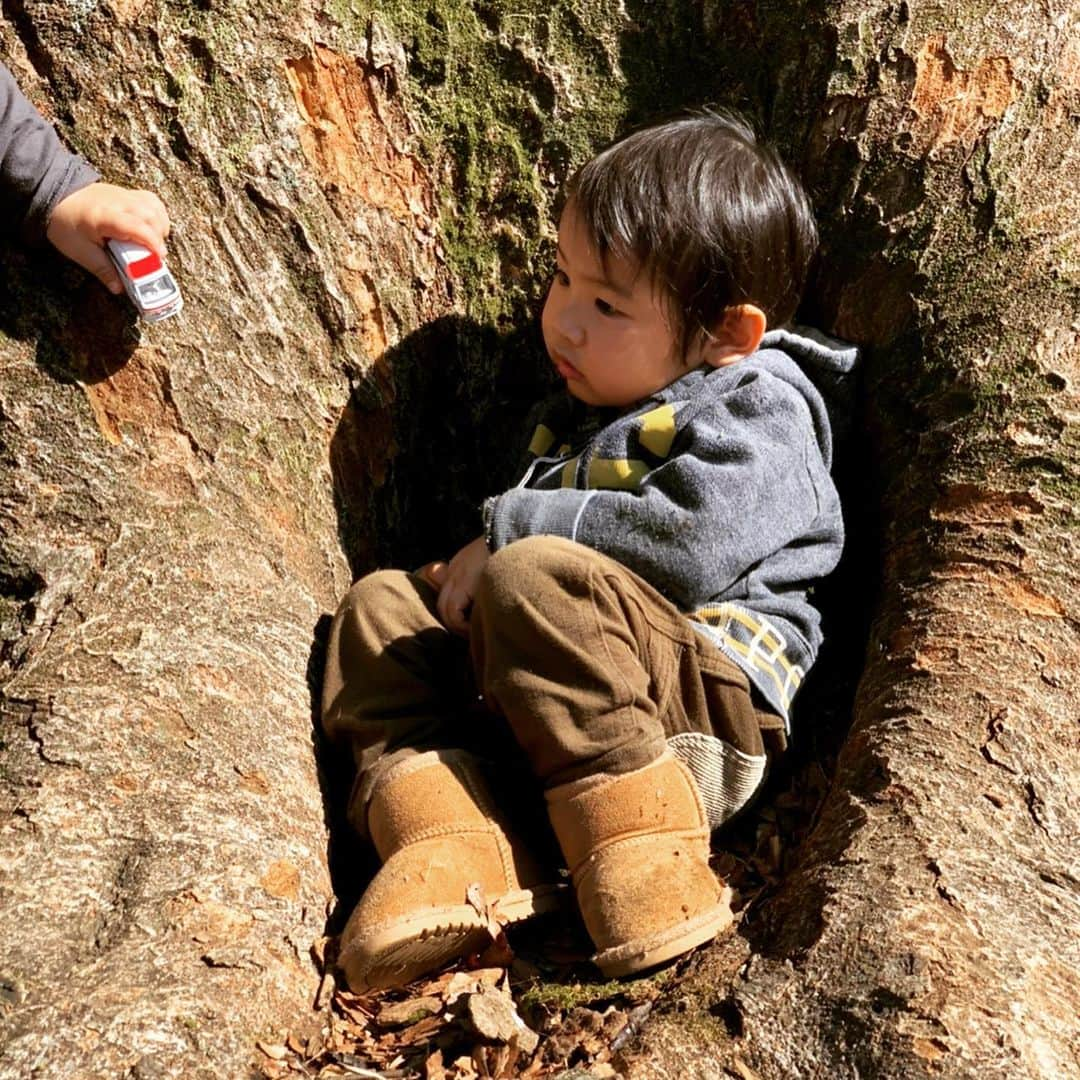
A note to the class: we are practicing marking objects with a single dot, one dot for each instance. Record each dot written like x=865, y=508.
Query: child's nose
x=571, y=326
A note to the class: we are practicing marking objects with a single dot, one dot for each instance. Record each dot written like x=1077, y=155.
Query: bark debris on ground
x=531, y=1005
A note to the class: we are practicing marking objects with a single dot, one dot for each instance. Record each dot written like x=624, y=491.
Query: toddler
x=633, y=622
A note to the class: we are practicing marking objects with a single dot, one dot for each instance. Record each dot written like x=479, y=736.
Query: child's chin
x=583, y=393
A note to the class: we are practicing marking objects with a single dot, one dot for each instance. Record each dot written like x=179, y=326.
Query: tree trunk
x=178, y=499
x=170, y=548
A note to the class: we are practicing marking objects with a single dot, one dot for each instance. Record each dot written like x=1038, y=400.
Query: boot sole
x=656, y=949
x=403, y=950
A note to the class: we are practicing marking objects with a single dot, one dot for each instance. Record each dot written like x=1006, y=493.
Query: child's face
x=605, y=329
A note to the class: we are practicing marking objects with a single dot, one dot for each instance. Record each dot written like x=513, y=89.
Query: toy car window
x=158, y=288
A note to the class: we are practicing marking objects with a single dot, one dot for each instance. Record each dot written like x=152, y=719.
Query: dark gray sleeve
x=36, y=172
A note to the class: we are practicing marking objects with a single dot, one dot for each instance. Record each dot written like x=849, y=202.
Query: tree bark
x=180, y=500
x=170, y=545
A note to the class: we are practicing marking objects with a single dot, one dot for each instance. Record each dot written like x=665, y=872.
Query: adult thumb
x=98, y=263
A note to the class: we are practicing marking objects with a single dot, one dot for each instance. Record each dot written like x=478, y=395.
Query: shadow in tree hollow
x=744, y=56
x=459, y=398
x=410, y=472
x=82, y=333
x=411, y=465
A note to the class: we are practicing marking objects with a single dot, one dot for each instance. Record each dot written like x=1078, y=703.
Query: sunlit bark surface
x=181, y=505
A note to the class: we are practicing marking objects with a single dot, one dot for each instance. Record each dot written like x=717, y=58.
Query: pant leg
x=396, y=680
x=592, y=667
x=729, y=755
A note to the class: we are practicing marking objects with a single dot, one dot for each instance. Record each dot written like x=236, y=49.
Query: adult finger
x=90, y=257
x=129, y=226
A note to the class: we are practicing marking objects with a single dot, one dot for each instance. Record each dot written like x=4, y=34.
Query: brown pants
x=576, y=663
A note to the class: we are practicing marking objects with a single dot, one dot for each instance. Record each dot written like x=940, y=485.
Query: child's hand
x=81, y=223
x=459, y=582
x=434, y=573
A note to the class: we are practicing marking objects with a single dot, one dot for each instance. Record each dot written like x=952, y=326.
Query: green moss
x=565, y=996
x=857, y=50
x=208, y=95
x=489, y=82
x=228, y=102
x=297, y=457
x=513, y=96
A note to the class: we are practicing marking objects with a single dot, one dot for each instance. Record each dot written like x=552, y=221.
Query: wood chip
x=469, y=982
x=318, y=951
x=421, y=1031
x=464, y=1069
x=495, y=1017
x=743, y=1069
x=352, y=1008
x=400, y=1013
x=474, y=894
x=433, y=1066
x=274, y=1051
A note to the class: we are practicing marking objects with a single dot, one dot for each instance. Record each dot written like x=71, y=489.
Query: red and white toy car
x=146, y=279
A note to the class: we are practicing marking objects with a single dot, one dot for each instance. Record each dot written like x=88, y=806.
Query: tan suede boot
x=637, y=845
x=434, y=824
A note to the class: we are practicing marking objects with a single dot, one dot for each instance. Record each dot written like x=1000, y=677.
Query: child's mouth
x=564, y=367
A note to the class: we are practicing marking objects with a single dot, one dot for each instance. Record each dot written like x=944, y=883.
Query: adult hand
x=459, y=584
x=81, y=223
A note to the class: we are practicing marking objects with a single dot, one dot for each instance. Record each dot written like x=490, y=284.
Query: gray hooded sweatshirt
x=716, y=490
x=36, y=172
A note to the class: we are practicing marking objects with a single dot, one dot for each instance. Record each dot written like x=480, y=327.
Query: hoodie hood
x=827, y=362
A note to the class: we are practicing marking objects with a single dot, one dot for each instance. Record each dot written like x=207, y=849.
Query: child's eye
x=561, y=277
x=605, y=308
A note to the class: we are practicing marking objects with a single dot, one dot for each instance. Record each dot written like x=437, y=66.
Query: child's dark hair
x=711, y=214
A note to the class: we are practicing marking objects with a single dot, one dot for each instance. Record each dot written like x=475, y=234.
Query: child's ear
x=739, y=334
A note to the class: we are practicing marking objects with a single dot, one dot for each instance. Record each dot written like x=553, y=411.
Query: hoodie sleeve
x=36, y=172
x=744, y=478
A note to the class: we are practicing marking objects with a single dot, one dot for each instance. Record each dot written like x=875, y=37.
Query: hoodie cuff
x=488, y=517
x=68, y=174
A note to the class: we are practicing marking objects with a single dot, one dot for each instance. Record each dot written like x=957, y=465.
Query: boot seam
x=433, y=832
x=633, y=839
x=573, y=788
